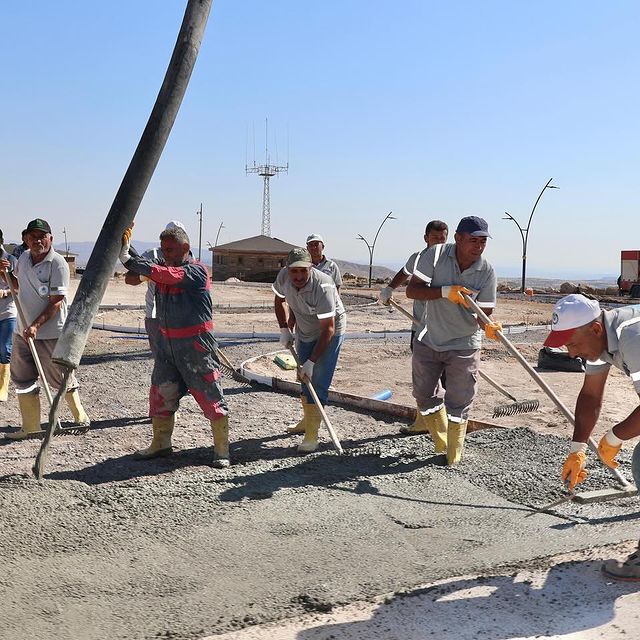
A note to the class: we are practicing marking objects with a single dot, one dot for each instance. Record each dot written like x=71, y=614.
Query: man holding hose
x=452, y=344
x=602, y=338
x=185, y=359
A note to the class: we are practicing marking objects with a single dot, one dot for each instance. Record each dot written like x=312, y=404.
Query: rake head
x=525, y=406
x=361, y=451
x=236, y=375
x=60, y=431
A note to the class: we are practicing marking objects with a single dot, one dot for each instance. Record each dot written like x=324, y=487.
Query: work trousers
x=187, y=365
x=7, y=327
x=152, y=327
x=323, y=369
x=24, y=372
x=461, y=369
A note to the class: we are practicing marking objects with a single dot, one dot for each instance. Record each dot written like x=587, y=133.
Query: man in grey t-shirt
x=320, y=324
x=315, y=247
x=41, y=277
x=436, y=232
x=452, y=344
x=603, y=339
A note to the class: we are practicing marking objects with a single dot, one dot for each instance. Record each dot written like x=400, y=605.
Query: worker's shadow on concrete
x=492, y=608
x=127, y=468
x=110, y=357
x=315, y=471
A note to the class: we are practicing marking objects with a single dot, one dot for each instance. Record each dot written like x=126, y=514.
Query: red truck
x=629, y=280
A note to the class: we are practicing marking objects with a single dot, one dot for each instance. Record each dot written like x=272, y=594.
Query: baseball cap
x=38, y=225
x=474, y=226
x=315, y=237
x=570, y=312
x=299, y=257
x=174, y=224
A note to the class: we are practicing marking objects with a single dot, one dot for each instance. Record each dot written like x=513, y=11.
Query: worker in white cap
x=320, y=325
x=151, y=323
x=602, y=338
x=315, y=246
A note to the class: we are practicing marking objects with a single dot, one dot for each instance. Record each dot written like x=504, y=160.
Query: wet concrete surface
x=109, y=547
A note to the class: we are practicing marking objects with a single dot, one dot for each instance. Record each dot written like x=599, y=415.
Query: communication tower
x=266, y=171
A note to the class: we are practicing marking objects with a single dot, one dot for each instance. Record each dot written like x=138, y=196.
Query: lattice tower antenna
x=266, y=171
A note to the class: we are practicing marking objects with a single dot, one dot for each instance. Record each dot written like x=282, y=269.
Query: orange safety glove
x=126, y=245
x=608, y=451
x=453, y=293
x=491, y=330
x=126, y=236
x=574, y=470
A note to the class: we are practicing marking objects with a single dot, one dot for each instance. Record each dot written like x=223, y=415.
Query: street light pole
x=220, y=228
x=524, y=231
x=199, y=213
x=372, y=246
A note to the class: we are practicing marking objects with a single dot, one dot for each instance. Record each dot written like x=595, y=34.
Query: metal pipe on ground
x=73, y=339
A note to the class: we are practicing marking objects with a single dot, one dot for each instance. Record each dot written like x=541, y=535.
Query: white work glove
x=386, y=293
x=306, y=370
x=286, y=337
x=125, y=256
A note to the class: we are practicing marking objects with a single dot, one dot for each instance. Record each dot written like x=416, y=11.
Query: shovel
x=516, y=406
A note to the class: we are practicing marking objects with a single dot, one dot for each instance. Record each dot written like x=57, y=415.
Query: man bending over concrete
x=320, y=323
x=602, y=338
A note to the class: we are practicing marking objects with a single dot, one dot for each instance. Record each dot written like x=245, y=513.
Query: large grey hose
x=73, y=338
x=125, y=205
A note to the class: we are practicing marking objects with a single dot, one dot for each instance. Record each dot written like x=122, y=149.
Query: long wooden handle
x=541, y=383
x=314, y=395
x=30, y=342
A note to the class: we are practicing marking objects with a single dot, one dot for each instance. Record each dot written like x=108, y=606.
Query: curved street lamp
x=524, y=231
x=372, y=246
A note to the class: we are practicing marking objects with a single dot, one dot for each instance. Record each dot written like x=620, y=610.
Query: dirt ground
x=110, y=547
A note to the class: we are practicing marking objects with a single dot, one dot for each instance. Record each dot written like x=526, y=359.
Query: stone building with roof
x=255, y=259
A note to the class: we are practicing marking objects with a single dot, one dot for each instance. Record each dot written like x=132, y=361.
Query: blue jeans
x=6, y=338
x=324, y=367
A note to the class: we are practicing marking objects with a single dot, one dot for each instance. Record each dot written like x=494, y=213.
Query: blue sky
x=429, y=109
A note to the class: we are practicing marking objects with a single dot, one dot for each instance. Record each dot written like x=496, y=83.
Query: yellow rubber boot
x=433, y=423
x=300, y=426
x=80, y=418
x=419, y=426
x=30, y=411
x=312, y=419
x=4, y=382
x=161, y=441
x=456, y=432
x=438, y=426
x=220, y=429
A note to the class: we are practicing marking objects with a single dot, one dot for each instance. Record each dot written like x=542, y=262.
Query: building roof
x=261, y=244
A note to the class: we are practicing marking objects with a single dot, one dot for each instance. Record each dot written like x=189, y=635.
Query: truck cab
x=629, y=281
